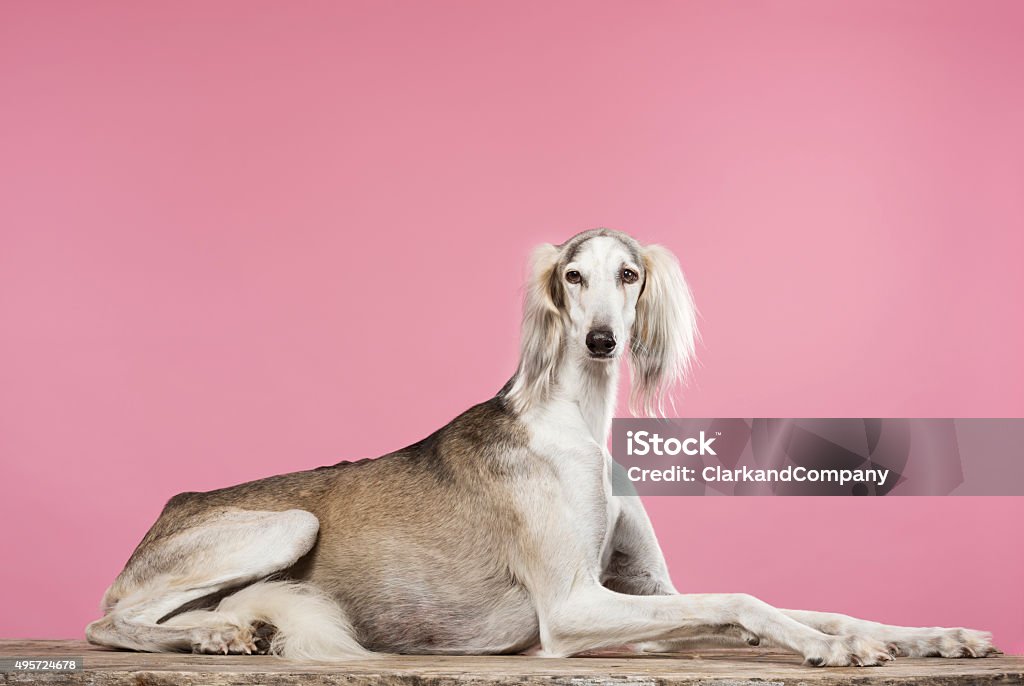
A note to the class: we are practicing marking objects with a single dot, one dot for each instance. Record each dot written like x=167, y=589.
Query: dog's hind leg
x=191, y=554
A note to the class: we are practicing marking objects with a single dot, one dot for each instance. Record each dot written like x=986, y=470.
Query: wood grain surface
x=723, y=667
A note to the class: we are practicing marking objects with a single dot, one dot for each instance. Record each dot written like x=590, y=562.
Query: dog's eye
x=629, y=276
x=573, y=276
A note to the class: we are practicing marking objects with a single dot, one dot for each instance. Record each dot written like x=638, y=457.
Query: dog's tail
x=294, y=620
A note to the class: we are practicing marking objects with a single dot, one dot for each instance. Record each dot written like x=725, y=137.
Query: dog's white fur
x=585, y=568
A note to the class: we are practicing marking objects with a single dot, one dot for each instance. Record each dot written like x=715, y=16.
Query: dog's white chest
x=582, y=469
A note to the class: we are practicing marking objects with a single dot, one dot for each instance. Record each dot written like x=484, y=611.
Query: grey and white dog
x=496, y=534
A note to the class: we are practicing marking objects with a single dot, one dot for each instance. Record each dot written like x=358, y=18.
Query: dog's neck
x=593, y=387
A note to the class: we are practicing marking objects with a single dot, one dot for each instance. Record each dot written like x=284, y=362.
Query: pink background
x=246, y=238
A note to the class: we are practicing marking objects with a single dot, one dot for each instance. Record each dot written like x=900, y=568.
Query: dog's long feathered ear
x=664, y=333
x=542, y=331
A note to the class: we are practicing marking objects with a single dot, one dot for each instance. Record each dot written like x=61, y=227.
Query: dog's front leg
x=557, y=554
x=592, y=617
x=637, y=567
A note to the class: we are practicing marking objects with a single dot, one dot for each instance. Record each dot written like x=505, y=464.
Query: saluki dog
x=498, y=533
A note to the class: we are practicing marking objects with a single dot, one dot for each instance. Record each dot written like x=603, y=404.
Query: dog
x=496, y=534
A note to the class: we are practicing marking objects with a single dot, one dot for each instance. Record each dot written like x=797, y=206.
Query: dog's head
x=592, y=298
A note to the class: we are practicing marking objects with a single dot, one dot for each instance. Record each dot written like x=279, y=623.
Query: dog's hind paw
x=224, y=640
x=263, y=636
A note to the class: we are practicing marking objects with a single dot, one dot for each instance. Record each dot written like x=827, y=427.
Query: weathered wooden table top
x=724, y=667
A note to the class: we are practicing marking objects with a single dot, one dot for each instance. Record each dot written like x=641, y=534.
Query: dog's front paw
x=847, y=651
x=948, y=643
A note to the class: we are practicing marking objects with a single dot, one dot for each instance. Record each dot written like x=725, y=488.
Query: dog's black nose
x=601, y=342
